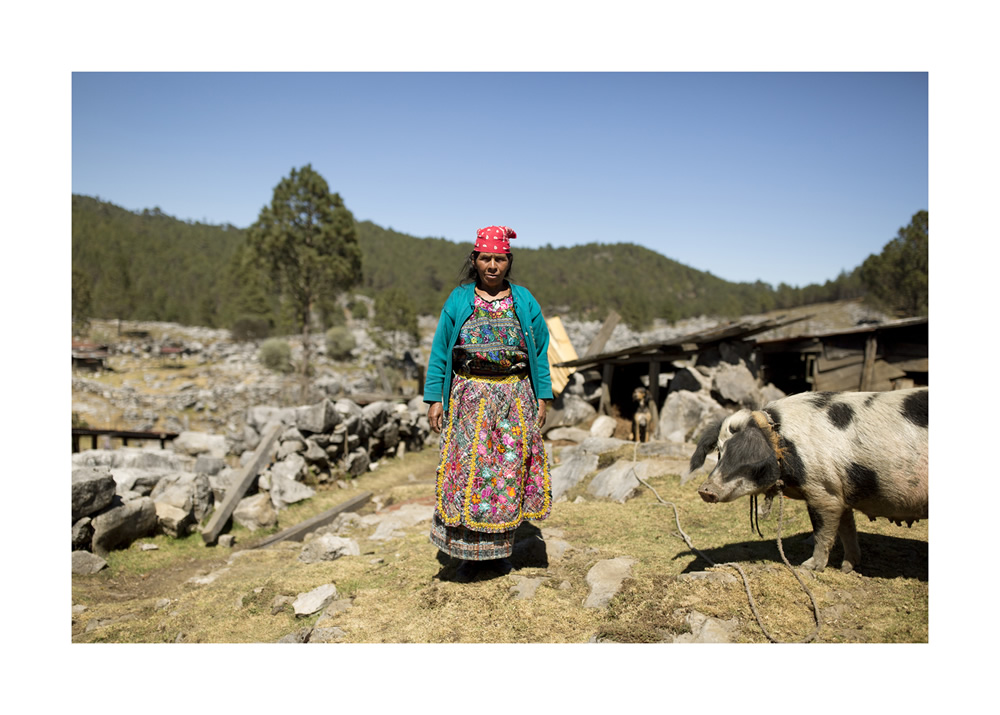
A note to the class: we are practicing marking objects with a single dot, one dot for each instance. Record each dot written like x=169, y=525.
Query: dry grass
x=401, y=593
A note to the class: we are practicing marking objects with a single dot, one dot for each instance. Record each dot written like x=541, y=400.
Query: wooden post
x=604, y=408
x=868, y=370
x=261, y=457
x=654, y=381
x=604, y=334
x=654, y=397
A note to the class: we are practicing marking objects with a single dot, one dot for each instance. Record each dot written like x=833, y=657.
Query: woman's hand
x=541, y=413
x=435, y=415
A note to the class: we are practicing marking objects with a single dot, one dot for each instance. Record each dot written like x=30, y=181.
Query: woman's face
x=492, y=268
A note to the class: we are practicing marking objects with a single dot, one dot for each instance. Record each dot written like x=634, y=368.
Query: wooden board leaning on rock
x=261, y=458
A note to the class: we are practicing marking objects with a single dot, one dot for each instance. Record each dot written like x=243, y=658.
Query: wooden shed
x=622, y=370
x=884, y=356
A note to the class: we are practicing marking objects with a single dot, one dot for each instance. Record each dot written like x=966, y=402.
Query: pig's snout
x=708, y=495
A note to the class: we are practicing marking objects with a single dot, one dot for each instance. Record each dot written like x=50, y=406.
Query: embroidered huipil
x=493, y=472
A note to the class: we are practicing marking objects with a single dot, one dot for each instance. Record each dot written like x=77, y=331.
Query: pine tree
x=897, y=278
x=307, y=239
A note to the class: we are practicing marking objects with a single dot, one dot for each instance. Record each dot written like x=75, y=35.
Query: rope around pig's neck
x=746, y=580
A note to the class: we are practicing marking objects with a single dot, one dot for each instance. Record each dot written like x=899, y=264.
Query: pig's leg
x=849, y=538
x=826, y=520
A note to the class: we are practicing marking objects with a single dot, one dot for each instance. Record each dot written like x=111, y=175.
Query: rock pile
x=122, y=495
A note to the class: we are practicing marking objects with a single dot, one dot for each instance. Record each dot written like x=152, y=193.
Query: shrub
x=339, y=343
x=358, y=309
x=249, y=327
x=275, y=354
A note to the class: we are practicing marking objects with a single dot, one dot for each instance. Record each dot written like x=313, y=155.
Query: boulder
x=770, y=393
x=387, y=437
x=255, y=512
x=705, y=629
x=86, y=563
x=568, y=411
x=134, y=458
x=292, y=434
x=735, y=384
x=376, y=414
x=600, y=445
x=605, y=578
x=356, y=463
x=315, y=454
x=350, y=415
x=569, y=434
x=173, y=522
x=292, y=467
x=93, y=488
x=603, y=426
x=83, y=534
x=196, y=443
x=617, y=482
x=319, y=418
x=292, y=446
x=316, y=600
x=691, y=380
x=261, y=416
x=571, y=472
x=121, y=524
x=328, y=547
x=284, y=491
x=682, y=413
x=141, y=481
x=209, y=465
x=187, y=491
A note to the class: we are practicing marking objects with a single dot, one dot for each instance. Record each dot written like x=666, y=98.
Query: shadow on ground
x=529, y=552
x=882, y=556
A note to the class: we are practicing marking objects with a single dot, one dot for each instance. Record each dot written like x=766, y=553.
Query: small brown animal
x=644, y=419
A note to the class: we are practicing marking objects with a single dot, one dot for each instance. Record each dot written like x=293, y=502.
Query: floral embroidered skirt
x=493, y=472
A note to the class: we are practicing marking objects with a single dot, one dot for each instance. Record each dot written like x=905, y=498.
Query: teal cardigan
x=457, y=309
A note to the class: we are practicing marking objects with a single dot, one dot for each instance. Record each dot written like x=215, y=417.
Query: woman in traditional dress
x=487, y=382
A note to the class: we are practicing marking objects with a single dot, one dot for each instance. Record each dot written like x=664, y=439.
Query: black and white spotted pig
x=839, y=451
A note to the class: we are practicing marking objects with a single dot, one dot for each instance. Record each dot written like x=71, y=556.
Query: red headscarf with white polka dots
x=494, y=239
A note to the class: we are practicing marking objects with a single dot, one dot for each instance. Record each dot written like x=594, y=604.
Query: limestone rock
x=173, y=521
x=705, y=629
x=316, y=600
x=93, y=490
x=682, y=414
x=83, y=534
x=86, y=563
x=292, y=467
x=605, y=578
x=196, y=443
x=255, y=512
x=603, y=426
x=285, y=491
x=571, y=472
x=319, y=418
x=188, y=491
x=328, y=547
x=735, y=384
x=120, y=525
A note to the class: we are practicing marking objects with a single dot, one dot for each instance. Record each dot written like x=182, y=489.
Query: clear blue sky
x=783, y=177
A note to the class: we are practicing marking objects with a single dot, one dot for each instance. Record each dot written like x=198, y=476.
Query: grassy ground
x=399, y=590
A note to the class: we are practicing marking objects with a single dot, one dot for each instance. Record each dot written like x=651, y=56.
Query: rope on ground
x=746, y=580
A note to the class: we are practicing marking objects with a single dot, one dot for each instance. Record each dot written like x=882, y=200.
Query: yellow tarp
x=560, y=350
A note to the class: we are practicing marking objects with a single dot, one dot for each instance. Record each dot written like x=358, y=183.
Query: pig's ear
x=748, y=447
x=707, y=443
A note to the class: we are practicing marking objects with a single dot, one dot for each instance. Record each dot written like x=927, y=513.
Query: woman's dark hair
x=469, y=274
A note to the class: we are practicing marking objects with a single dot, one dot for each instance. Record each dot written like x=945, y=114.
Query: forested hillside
x=149, y=266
